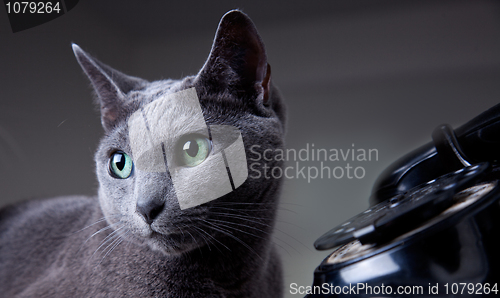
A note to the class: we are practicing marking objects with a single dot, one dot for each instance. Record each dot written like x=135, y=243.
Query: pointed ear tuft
x=237, y=61
x=110, y=85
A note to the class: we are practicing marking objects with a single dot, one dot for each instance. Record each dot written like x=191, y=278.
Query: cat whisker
x=242, y=210
x=206, y=242
x=256, y=203
x=111, y=237
x=109, y=247
x=294, y=238
x=238, y=230
x=218, y=228
x=97, y=232
x=243, y=217
x=195, y=239
x=104, y=229
x=98, y=221
x=257, y=229
x=286, y=209
x=239, y=203
x=215, y=239
x=272, y=235
x=279, y=207
x=240, y=215
x=113, y=246
x=182, y=232
x=275, y=228
x=250, y=219
x=239, y=224
x=184, y=228
x=249, y=216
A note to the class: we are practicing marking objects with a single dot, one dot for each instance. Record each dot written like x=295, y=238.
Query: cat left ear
x=238, y=61
x=110, y=85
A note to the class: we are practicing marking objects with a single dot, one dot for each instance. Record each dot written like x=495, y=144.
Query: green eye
x=120, y=165
x=194, y=150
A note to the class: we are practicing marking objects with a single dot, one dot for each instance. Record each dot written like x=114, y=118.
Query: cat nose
x=149, y=209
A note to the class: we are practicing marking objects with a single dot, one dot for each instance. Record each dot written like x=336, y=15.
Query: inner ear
x=237, y=61
x=265, y=86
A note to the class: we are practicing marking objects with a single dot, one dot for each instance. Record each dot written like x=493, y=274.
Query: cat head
x=233, y=91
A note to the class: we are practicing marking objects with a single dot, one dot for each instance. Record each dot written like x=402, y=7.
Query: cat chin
x=169, y=251
x=169, y=244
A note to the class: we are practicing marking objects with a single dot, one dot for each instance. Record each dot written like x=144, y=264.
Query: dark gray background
x=377, y=74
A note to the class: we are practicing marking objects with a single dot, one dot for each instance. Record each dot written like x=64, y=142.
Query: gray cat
x=134, y=239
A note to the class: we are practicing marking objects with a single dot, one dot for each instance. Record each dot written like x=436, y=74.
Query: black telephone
x=432, y=224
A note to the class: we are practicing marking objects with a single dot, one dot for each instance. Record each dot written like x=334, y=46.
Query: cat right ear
x=110, y=85
x=237, y=60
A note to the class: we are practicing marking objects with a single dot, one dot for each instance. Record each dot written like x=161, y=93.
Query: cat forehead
x=156, y=91
x=167, y=117
x=172, y=104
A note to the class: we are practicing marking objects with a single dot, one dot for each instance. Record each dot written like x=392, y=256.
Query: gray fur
x=101, y=247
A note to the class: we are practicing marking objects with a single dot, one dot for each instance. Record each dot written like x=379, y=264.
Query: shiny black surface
x=433, y=225
x=478, y=140
x=401, y=214
x=460, y=247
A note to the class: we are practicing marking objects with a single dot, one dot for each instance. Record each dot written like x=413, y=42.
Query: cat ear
x=238, y=61
x=110, y=85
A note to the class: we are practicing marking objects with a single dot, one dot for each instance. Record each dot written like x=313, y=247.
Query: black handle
x=476, y=141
